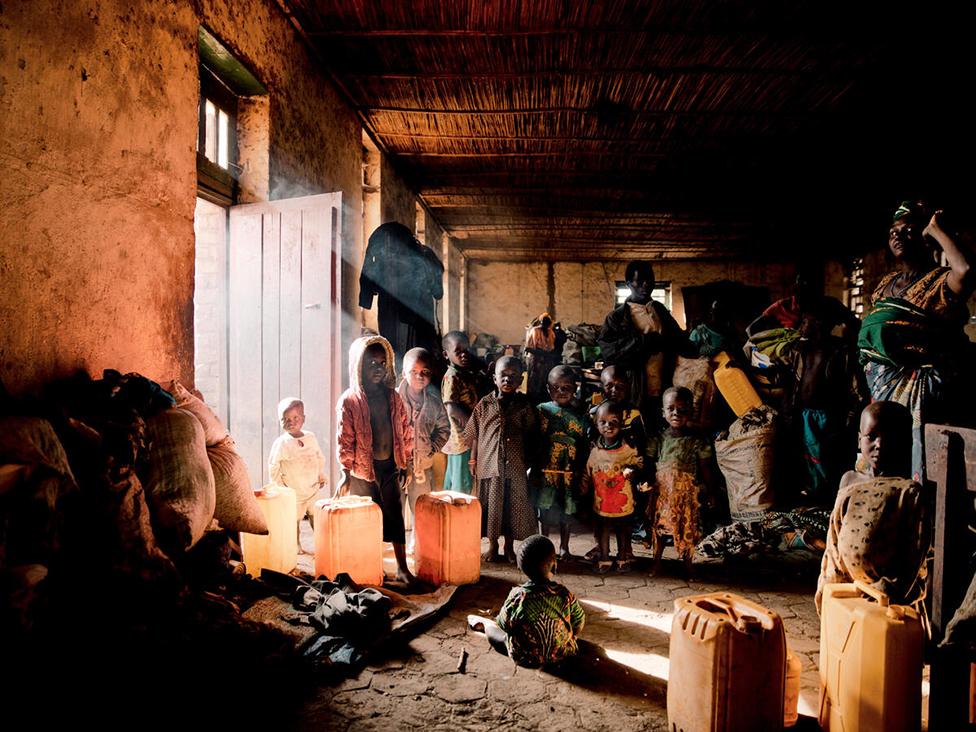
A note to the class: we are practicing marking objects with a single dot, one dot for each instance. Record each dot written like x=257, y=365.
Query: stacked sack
x=745, y=457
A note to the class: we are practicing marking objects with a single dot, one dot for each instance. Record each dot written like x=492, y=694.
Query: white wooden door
x=284, y=322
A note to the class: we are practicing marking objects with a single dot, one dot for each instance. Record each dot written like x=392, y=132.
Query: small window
x=854, y=292
x=223, y=82
x=661, y=292
x=217, y=141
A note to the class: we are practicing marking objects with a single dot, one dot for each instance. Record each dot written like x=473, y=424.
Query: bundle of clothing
x=771, y=346
x=775, y=532
x=350, y=620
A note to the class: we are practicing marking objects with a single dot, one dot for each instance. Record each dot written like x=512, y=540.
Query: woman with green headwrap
x=911, y=342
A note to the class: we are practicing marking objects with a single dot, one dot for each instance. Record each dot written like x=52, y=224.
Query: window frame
x=621, y=286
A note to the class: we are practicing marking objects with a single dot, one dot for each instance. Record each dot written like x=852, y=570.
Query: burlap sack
x=179, y=481
x=747, y=464
x=214, y=432
x=695, y=374
x=237, y=509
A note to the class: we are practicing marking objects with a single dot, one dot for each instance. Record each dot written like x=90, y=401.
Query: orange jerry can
x=279, y=549
x=448, y=538
x=734, y=385
x=727, y=665
x=870, y=662
x=791, y=699
x=349, y=538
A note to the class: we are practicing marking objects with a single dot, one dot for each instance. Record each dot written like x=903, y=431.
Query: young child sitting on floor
x=879, y=528
x=373, y=448
x=610, y=476
x=429, y=426
x=461, y=388
x=682, y=458
x=502, y=434
x=563, y=456
x=296, y=460
x=541, y=620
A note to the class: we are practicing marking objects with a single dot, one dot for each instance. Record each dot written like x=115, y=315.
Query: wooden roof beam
x=806, y=115
x=644, y=71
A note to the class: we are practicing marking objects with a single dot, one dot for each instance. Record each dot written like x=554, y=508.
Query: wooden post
x=950, y=455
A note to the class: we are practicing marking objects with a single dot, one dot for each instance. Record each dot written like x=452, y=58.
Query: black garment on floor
x=350, y=620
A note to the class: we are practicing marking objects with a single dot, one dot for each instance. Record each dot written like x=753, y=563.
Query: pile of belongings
x=773, y=532
x=771, y=346
x=745, y=455
x=581, y=345
x=116, y=477
x=350, y=620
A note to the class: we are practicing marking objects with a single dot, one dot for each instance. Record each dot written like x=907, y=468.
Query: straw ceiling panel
x=676, y=127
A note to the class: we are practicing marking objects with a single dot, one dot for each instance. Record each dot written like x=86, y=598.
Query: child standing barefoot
x=503, y=432
x=564, y=449
x=296, y=460
x=373, y=449
x=541, y=620
x=683, y=469
x=610, y=476
x=461, y=388
x=430, y=427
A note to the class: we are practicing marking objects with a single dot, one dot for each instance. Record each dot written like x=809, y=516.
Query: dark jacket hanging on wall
x=406, y=277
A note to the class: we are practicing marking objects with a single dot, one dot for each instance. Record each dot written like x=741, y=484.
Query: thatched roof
x=677, y=128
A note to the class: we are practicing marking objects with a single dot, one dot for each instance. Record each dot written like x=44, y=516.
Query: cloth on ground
x=770, y=533
x=349, y=621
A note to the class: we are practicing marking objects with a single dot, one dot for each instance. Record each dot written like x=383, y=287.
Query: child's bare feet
x=603, y=566
x=406, y=577
x=492, y=556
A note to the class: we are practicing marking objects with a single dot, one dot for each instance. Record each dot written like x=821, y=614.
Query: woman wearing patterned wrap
x=910, y=340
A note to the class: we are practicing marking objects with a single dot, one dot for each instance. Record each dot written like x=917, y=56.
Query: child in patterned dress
x=610, y=476
x=682, y=457
x=541, y=620
x=564, y=455
x=615, y=387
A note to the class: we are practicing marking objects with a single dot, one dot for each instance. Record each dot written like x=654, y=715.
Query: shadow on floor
x=592, y=669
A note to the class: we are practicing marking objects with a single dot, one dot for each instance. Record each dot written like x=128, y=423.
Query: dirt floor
x=619, y=682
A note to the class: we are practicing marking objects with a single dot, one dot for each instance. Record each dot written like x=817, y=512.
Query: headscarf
x=915, y=210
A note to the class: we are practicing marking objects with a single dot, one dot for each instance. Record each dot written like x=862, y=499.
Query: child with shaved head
x=503, y=434
x=563, y=456
x=541, y=620
x=296, y=460
x=879, y=527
